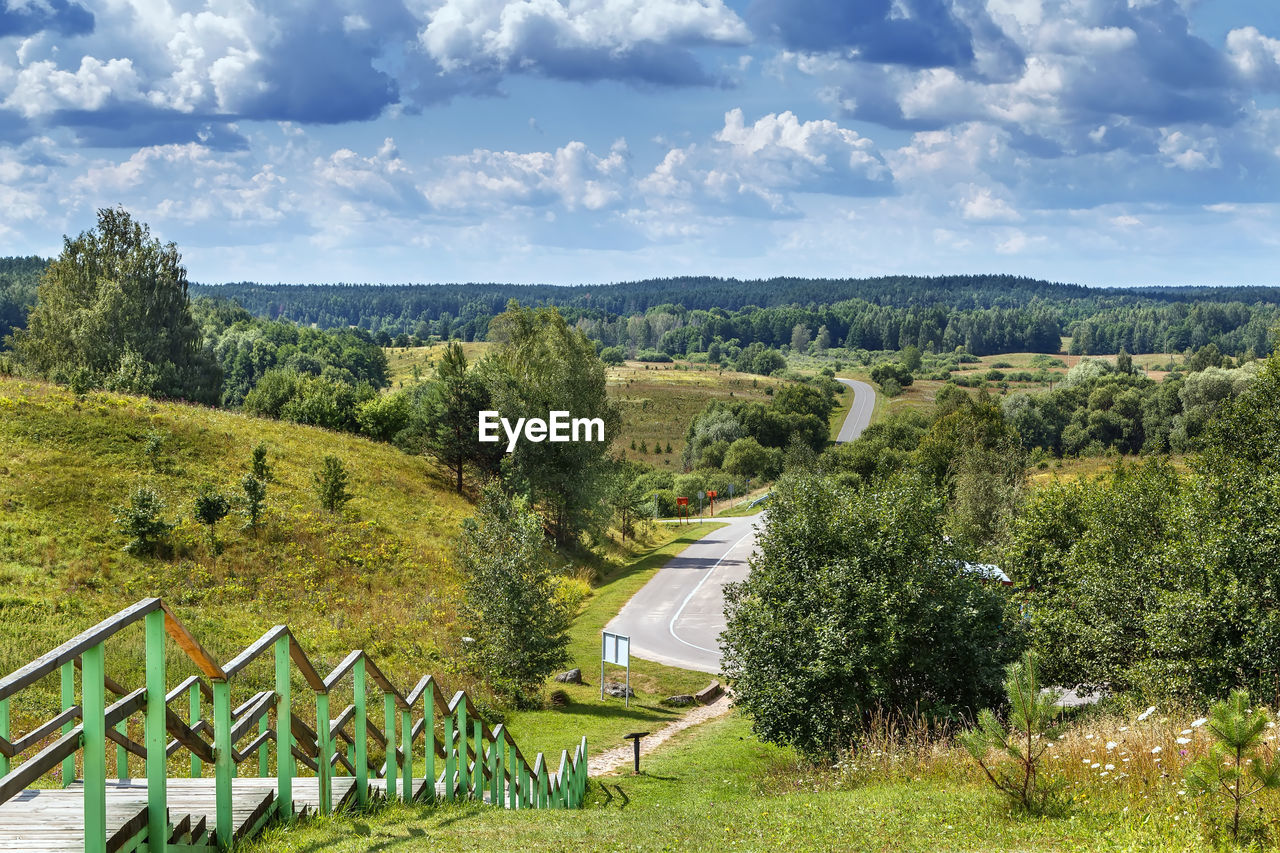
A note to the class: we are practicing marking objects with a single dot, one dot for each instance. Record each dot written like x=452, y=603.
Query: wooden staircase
x=326, y=766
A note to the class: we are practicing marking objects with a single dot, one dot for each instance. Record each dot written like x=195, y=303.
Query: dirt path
x=620, y=757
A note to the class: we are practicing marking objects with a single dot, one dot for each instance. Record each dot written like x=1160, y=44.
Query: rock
x=573, y=676
x=681, y=701
x=710, y=693
x=618, y=691
x=559, y=699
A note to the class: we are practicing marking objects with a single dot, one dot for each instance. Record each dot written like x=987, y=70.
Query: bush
x=612, y=355
x=331, y=485
x=142, y=521
x=890, y=387
x=209, y=507
x=1235, y=766
x=746, y=458
x=654, y=356
x=855, y=603
x=255, y=500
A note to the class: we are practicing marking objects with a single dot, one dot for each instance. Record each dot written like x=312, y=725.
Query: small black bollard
x=634, y=737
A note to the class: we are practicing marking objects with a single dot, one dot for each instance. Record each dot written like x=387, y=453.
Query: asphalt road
x=864, y=401
x=677, y=617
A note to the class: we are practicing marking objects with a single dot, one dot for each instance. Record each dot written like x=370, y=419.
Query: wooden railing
x=478, y=762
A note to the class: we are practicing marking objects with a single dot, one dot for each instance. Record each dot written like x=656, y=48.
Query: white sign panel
x=617, y=649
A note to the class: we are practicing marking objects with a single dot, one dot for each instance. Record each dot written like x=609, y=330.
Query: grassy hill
x=377, y=576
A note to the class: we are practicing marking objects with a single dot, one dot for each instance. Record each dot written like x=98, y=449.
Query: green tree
x=331, y=485
x=451, y=413
x=208, y=508
x=855, y=602
x=1235, y=767
x=910, y=358
x=800, y=338
x=258, y=465
x=114, y=304
x=510, y=605
x=142, y=520
x=255, y=500
x=1033, y=722
x=540, y=365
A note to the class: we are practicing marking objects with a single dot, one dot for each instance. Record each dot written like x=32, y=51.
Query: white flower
x=1200, y=722
x=1156, y=749
x=1111, y=744
x=1094, y=766
x=1110, y=767
x=1146, y=713
x=1186, y=731
x=1183, y=740
x=1124, y=728
x=1088, y=737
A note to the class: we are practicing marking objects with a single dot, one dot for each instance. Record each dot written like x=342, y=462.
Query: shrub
x=612, y=355
x=331, y=485
x=653, y=356
x=142, y=521
x=858, y=598
x=209, y=507
x=255, y=500
x=1033, y=722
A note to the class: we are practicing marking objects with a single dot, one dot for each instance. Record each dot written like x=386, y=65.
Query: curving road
x=864, y=402
x=677, y=617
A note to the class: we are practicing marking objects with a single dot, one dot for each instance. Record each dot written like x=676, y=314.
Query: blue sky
x=1113, y=142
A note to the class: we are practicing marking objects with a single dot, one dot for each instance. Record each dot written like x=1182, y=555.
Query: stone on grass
x=573, y=676
x=681, y=701
x=618, y=691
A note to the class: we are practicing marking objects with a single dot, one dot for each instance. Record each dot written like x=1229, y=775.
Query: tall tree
x=542, y=365
x=114, y=306
x=453, y=404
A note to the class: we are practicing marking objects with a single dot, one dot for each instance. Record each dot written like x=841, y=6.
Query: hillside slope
x=376, y=577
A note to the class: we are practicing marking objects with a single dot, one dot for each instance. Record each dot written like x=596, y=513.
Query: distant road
x=864, y=401
x=677, y=617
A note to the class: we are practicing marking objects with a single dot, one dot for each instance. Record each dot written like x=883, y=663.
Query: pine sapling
x=210, y=507
x=1237, y=766
x=1033, y=723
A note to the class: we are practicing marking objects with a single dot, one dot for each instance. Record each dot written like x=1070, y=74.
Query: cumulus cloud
x=19, y=18
x=571, y=177
x=754, y=168
x=641, y=40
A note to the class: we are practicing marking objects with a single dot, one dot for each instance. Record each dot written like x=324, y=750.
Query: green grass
x=604, y=722
x=715, y=787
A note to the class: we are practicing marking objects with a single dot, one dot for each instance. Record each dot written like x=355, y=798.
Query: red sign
x=682, y=501
x=711, y=494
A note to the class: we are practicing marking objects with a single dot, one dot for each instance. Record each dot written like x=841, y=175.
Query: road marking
x=671, y=626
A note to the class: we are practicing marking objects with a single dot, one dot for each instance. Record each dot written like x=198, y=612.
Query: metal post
x=284, y=733
x=626, y=694
x=389, y=726
x=362, y=735
x=94, y=708
x=602, y=665
x=193, y=717
x=68, y=700
x=224, y=761
x=157, y=736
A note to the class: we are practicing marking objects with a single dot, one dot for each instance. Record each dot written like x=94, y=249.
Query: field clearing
x=659, y=401
x=401, y=361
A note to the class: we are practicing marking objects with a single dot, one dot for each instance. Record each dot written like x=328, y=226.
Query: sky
x=1104, y=142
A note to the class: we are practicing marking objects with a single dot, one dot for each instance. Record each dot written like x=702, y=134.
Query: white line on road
x=671, y=626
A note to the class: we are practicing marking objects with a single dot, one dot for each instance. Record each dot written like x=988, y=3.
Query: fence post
x=389, y=730
x=513, y=766
x=464, y=774
x=224, y=761
x=93, y=708
x=478, y=781
x=284, y=733
x=4, y=733
x=406, y=747
x=325, y=749
x=157, y=736
x=429, y=734
x=362, y=735
x=69, y=700
x=193, y=717
x=448, y=758
x=122, y=755
x=264, y=751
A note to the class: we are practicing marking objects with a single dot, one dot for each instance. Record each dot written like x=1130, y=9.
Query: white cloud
x=983, y=206
x=41, y=87
x=1255, y=56
x=1184, y=151
x=571, y=176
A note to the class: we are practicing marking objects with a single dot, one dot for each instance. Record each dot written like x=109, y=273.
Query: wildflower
x=1146, y=713
x=1111, y=745
x=1094, y=766
x=1186, y=731
x=1200, y=722
x=1156, y=749
x=1111, y=767
x=1183, y=740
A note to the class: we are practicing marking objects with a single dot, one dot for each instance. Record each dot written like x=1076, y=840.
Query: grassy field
x=716, y=787
x=377, y=575
x=658, y=401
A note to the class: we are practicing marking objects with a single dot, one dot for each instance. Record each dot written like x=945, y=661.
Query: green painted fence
x=423, y=734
